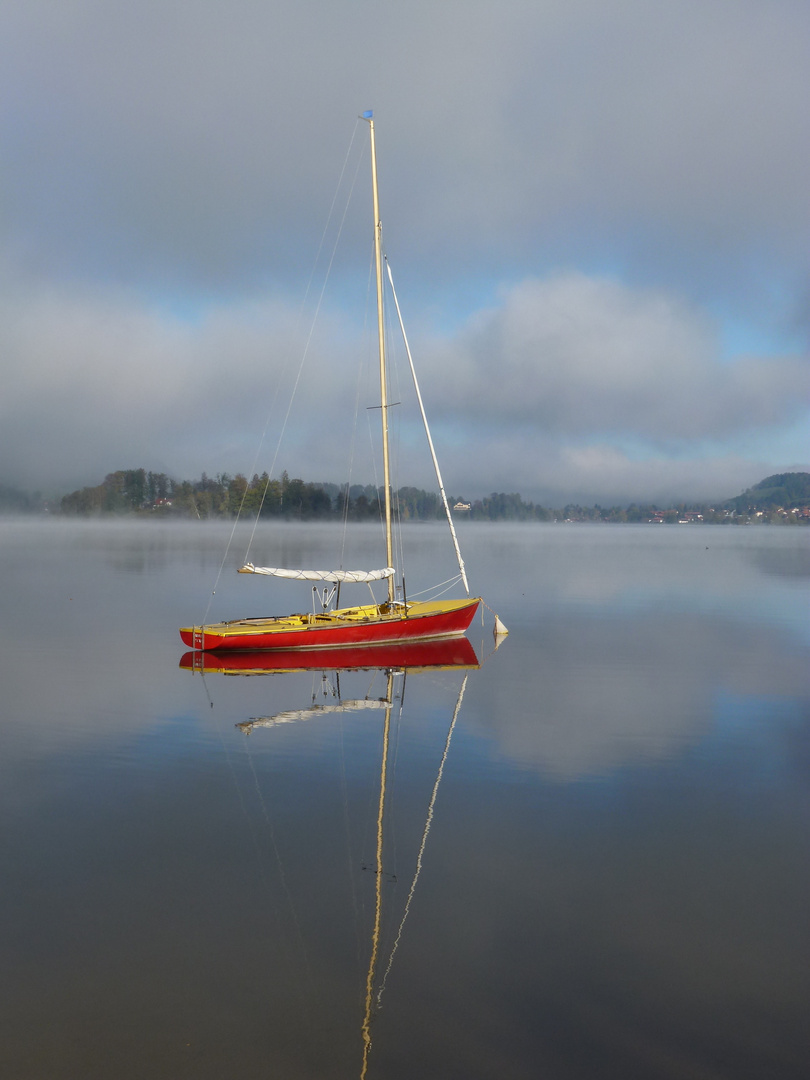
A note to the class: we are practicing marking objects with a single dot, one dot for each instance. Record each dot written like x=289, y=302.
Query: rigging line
x=285, y=886
x=380, y=511
x=226, y=552
x=393, y=455
x=358, y=386
x=449, y=582
x=449, y=587
x=349, y=845
x=373, y=456
x=391, y=810
x=427, y=432
x=394, y=371
x=397, y=459
x=309, y=337
x=263, y=875
x=346, y=501
x=394, y=424
x=428, y=823
x=278, y=384
x=331, y=210
x=300, y=369
x=370, y=684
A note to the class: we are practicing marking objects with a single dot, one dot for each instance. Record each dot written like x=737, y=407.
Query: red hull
x=451, y=652
x=451, y=622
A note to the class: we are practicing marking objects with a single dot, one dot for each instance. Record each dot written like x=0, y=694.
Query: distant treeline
x=137, y=491
x=780, y=499
x=783, y=499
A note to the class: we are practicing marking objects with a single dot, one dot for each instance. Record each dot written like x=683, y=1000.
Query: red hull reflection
x=451, y=652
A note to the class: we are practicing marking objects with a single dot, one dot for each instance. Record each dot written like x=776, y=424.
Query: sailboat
x=396, y=619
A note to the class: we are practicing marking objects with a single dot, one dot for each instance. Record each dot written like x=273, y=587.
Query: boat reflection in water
x=395, y=663
x=415, y=655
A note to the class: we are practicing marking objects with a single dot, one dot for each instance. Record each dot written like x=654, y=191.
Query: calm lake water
x=595, y=861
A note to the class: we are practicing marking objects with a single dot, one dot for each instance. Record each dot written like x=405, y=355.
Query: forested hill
x=785, y=490
x=782, y=498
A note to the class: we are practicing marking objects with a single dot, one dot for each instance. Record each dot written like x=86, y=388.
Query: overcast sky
x=596, y=212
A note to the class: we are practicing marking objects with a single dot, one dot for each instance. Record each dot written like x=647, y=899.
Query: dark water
x=614, y=880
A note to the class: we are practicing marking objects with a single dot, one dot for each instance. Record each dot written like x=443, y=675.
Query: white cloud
x=573, y=388
x=589, y=194
x=578, y=356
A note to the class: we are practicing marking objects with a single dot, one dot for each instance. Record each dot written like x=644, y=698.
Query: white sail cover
x=320, y=575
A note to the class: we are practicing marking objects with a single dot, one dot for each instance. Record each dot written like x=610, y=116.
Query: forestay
x=358, y=576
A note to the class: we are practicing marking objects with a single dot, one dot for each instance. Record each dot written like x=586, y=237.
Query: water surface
x=598, y=868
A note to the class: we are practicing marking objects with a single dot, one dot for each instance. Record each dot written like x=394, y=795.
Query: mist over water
x=599, y=869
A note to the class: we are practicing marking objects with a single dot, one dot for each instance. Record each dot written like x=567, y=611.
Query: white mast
x=389, y=542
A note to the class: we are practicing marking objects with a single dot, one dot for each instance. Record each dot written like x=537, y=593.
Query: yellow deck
x=340, y=617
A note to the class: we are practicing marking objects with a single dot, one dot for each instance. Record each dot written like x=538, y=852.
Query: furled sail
x=320, y=575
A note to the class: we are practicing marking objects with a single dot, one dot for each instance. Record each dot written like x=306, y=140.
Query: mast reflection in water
x=392, y=663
